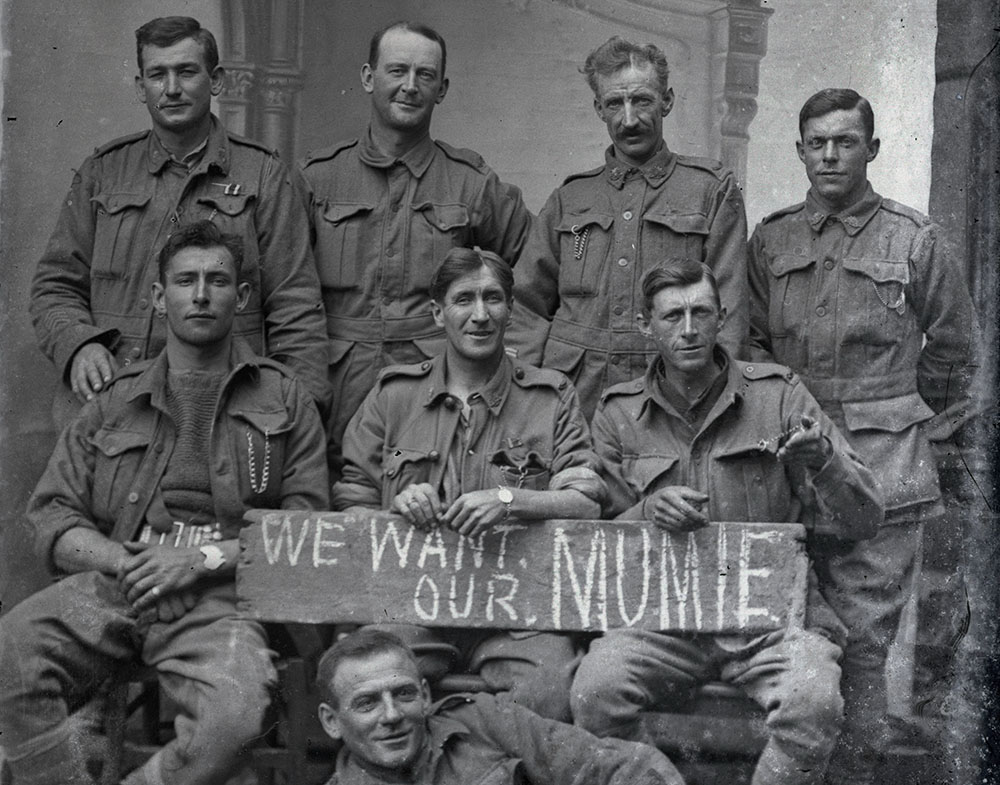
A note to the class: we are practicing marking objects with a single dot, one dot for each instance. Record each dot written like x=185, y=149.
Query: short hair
x=617, y=53
x=676, y=272
x=168, y=30
x=414, y=27
x=201, y=234
x=833, y=98
x=460, y=262
x=365, y=642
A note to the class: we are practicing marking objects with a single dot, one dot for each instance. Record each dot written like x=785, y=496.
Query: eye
x=409, y=693
x=364, y=704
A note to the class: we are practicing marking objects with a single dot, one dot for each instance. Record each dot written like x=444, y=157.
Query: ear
x=140, y=94
x=242, y=295
x=668, y=101
x=722, y=316
x=598, y=108
x=328, y=719
x=801, y=150
x=425, y=693
x=367, y=78
x=873, y=148
x=218, y=77
x=643, y=323
x=437, y=313
x=442, y=91
x=158, y=297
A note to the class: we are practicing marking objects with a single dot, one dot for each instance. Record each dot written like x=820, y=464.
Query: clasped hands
x=469, y=514
x=158, y=580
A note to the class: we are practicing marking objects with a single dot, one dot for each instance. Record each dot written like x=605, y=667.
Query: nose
x=410, y=84
x=200, y=291
x=689, y=328
x=390, y=710
x=830, y=151
x=631, y=119
x=171, y=84
x=479, y=312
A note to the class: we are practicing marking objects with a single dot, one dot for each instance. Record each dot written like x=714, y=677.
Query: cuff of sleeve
x=75, y=337
x=582, y=479
x=834, y=472
x=345, y=494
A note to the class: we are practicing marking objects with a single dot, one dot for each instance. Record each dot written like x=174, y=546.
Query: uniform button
x=820, y=311
x=623, y=262
x=472, y=452
x=158, y=448
x=627, y=215
x=395, y=208
x=390, y=253
x=615, y=359
x=828, y=264
x=618, y=310
x=390, y=473
x=434, y=456
x=135, y=352
x=519, y=373
x=144, y=303
x=450, y=404
x=749, y=369
x=133, y=497
x=424, y=366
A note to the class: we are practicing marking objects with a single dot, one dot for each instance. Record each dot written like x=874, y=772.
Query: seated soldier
x=140, y=508
x=703, y=437
x=467, y=440
x=377, y=704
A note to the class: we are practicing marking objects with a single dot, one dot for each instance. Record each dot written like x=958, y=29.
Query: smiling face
x=177, y=88
x=836, y=152
x=200, y=297
x=381, y=708
x=474, y=315
x=632, y=105
x=406, y=83
x=684, y=323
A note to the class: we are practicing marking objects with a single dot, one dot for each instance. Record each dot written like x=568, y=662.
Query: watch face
x=505, y=495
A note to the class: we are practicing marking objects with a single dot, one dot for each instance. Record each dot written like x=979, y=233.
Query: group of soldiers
x=389, y=327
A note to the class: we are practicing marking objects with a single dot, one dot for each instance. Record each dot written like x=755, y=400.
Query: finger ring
x=156, y=591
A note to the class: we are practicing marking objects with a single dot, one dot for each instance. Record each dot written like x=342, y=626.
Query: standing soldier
x=386, y=209
x=577, y=282
x=853, y=292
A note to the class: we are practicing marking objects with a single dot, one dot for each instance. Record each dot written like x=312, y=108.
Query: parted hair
x=366, y=642
x=833, y=98
x=201, y=234
x=617, y=53
x=460, y=262
x=414, y=27
x=676, y=272
x=168, y=30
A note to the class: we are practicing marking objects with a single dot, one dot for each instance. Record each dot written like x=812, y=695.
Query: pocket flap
x=880, y=270
x=561, y=356
x=116, y=202
x=227, y=205
x=444, y=216
x=751, y=442
x=679, y=222
x=648, y=469
x=271, y=423
x=785, y=263
x=395, y=459
x=337, y=350
x=892, y=414
x=114, y=441
x=575, y=222
x=335, y=213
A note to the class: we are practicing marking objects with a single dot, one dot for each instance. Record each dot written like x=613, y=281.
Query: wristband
x=214, y=557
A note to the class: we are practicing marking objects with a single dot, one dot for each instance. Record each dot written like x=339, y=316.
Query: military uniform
x=879, y=324
x=62, y=643
x=730, y=455
x=381, y=226
x=93, y=281
x=577, y=284
x=525, y=430
x=492, y=741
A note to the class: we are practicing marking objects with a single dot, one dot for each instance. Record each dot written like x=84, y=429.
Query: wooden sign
x=330, y=567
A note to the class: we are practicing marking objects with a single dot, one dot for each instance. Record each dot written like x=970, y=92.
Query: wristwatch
x=505, y=496
x=214, y=558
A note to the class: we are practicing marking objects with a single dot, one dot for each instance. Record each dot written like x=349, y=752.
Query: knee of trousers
x=806, y=720
x=603, y=698
x=222, y=726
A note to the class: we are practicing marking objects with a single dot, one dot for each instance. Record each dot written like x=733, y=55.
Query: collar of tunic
x=215, y=151
x=416, y=159
x=854, y=218
x=657, y=169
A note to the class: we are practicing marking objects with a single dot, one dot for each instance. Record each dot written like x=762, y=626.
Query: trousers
x=59, y=646
x=793, y=674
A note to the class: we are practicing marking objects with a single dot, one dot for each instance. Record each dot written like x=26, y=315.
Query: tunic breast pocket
x=876, y=289
x=118, y=453
x=118, y=218
x=670, y=233
x=584, y=243
x=519, y=467
x=789, y=303
x=339, y=228
x=748, y=483
x=651, y=472
x=435, y=230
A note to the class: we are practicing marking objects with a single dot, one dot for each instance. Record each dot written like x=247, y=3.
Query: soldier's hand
x=677, y=509
x=807, y=446
x=174, y=606
x=419, y=505
x=472, y=512
x=92, y=368
x=154, y=572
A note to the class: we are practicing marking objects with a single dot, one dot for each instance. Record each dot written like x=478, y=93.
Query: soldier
x=90, y=301
x=577, y=283
x=853, y=292
x=703, y=437
x=385, y=210
x=140, y=508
